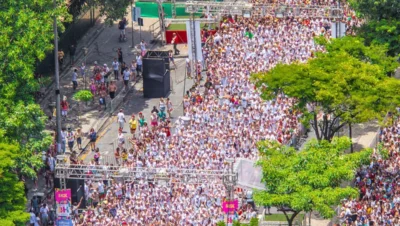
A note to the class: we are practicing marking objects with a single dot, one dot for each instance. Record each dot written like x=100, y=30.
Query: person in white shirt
x=121, y=119
x=139, y=63
x=74, y=79
x=115, y=66
x=126, y=75
x=44, y=214
x=32, y=219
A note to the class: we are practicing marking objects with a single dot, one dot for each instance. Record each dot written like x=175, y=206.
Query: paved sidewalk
x=102, y=43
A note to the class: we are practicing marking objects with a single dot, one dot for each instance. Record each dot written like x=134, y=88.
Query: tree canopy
x=12, y=199
x=376, y=9
x=114, y=10
x=26, y=37
x=309, y=180
x=345, y=85
x=382, y=24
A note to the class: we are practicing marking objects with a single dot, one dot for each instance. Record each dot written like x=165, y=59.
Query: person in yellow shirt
x=124, y=157
x=133, y=124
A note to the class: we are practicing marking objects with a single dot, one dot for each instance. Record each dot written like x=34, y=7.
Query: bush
x=236, y=223
x=83, y=95
x=254, y=221
x=221, y=223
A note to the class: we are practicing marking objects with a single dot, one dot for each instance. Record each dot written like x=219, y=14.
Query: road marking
x=105, y=130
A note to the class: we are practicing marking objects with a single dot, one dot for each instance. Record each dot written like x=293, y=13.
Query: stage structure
x=65, y=171
x=243, y=8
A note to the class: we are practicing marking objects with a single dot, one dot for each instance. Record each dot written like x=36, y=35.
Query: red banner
x=182, y=37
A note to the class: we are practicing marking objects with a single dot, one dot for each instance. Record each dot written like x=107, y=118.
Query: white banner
x=199, y=52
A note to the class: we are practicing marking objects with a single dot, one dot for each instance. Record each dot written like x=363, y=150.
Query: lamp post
x=133, y=45
x=57, y=78
x=229, y=182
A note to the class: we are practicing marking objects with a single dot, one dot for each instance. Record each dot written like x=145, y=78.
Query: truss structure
x=305, y=11
x=221, y=8
x=275, y=10
x=149, y=54
x=171, y=176
x=183, y=21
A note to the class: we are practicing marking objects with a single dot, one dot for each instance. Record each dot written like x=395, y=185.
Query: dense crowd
x=224, y=118
x=379, y=186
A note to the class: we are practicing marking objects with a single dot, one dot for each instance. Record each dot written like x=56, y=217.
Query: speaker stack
x=156, y=74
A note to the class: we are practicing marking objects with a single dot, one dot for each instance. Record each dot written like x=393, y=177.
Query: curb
x=103, y=121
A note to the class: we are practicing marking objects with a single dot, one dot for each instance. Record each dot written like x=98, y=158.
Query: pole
x=57, y=78
x=84, y=73
x=133, y=45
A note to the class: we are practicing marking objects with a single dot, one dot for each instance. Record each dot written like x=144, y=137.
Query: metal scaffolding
x=275, y=10
x=302, y=11
x=183, y=21
x=218, y=8
x=65, y=171
x=161, y=16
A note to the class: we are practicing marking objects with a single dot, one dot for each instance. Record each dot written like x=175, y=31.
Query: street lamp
x=230, y=180
x=57, y=80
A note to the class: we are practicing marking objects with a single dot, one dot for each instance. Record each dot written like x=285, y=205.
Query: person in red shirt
x=64, y=108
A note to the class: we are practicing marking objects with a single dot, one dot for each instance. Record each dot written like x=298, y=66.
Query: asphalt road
x=135, y=103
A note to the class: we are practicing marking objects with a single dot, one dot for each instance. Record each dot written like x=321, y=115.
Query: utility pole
x=57, y=78
x=85, y=53
x=133, y=46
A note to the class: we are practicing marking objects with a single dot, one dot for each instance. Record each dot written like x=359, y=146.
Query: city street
x=135, y=103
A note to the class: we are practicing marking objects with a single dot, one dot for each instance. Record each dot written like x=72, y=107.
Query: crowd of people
x=379, y=186
x=224, y=118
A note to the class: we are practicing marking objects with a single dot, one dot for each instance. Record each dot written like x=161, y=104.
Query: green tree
x=382, y=22
x=376, y=9
x=114, y=10
x=386, y=31
x=253, y=221
x=12, y=197
x=341, y=87
x=373, y=53
x=26, y=37
x=221, y=223
x=309, y=180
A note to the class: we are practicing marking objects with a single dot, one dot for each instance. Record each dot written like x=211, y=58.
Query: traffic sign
x=136, y=13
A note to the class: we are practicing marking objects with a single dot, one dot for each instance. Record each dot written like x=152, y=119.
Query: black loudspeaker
x=77, y=190
x=156, y=75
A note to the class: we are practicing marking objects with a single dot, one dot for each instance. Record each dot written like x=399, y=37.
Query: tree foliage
x=25, y=38
x=309, y=180
x=83, y=95
x=376, y=9
x=382, y=22
x=12, y=199
x=114, y=10
x=374, y=53
x=347, y=84
x=382, y=32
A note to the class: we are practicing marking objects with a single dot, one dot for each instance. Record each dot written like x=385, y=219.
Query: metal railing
x=155, y=31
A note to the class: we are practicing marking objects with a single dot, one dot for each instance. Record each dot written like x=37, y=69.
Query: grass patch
x=281, y=217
